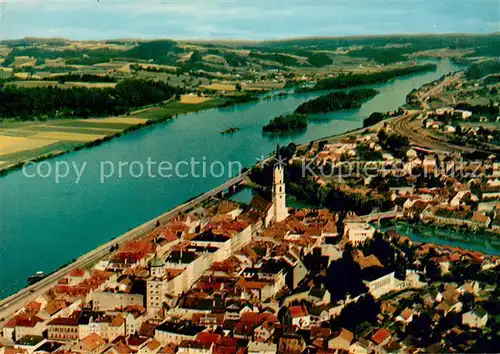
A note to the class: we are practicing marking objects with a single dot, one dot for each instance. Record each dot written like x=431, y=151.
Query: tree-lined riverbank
x=40, y=218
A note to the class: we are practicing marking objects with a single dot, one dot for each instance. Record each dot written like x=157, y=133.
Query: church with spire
x=274, y=210
x=279, y=197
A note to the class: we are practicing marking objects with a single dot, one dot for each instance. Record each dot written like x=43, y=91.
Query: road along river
x=44, y=224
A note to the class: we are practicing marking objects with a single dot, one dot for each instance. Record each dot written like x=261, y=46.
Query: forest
x=50, y=102
x=336, y=101
x=162, y=51
x=81, y=78
x=386, y=49
x=348, y=80
x=479, y=70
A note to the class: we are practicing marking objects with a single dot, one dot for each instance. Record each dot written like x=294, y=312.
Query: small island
x=286, y=124
x=230, y=130
x=336, y=101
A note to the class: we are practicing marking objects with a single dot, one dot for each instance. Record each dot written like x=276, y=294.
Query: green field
x=83, y=125
x=12, y=128
x=175, y=107
x=61, y=146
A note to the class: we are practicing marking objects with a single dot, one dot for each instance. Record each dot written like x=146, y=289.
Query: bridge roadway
x=375, y=216
x=10, y=305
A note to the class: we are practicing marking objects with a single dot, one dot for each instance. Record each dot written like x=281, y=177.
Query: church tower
x=279, y=197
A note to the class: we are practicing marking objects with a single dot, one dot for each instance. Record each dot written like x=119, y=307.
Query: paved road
x=439, y=87
x=15, y=302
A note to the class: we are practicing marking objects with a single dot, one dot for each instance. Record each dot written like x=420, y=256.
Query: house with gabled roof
x=362, y=346
x=23, y=325
x=92, y=344
x=255, y=347
x=476, y=318
x=63, y=329
x=381, y=337
x=301, y=316
x=450, y=305
x=341, y=341
x=406, y=316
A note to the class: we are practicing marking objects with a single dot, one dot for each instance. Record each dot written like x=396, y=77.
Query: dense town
x=228, y=277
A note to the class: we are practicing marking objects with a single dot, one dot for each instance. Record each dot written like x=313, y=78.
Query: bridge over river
x=13, y=303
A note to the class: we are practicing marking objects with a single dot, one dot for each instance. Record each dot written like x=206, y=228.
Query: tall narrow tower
x=279, y=197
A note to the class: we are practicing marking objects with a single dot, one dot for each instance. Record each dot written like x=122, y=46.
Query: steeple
x=279, y=196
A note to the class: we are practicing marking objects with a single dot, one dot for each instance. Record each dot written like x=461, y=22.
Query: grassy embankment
x=40, y=140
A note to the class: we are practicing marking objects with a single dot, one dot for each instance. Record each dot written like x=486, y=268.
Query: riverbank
x=49, y=139
x=41, y=217
x=13, y=303
x=486, y=243
x=143, y=117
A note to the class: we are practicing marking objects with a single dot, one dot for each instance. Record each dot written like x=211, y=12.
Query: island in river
x=336, y=101
x=48, y=219
x=230, y=130
x=331, y=102
x=286, y=124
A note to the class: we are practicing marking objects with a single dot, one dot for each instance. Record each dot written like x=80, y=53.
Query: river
x=484, y=243
x=45, y=224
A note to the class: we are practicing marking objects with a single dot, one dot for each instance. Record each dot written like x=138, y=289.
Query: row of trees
x=487, y=110
x=336, y=101
x=348, y=80
x=82, y=78
x=28, y=103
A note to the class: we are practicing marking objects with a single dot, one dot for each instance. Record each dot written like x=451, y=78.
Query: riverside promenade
x=10, y=305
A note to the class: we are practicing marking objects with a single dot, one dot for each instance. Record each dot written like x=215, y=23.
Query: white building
x=357, y=232
x=382, y=285
x=279, y=196
x=262, y=348
x=476, y=318
x=104, y=301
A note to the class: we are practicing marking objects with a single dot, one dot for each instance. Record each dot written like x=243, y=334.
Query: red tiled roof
x=169, y=235
x=93, y=341
x=298, y=311
x=77, y=273
x=479, y=217
x=251, y=284
x=64, y=321
x=226, y=206
x=207, y=337
x=33, y=307
x=255, y=318
x=406, y=313
x=23, y=320
x=381, y=335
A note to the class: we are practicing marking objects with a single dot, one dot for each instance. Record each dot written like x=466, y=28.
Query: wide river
x=45, y=224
